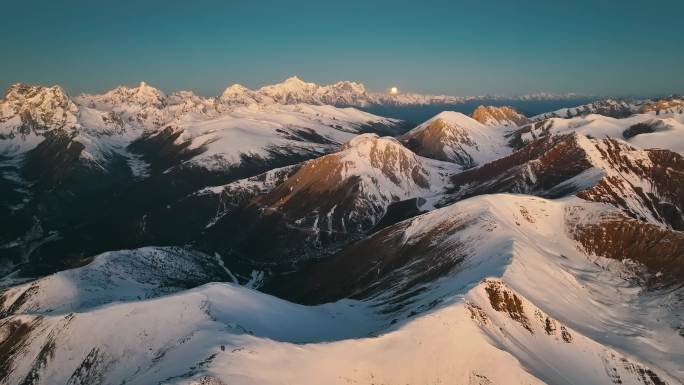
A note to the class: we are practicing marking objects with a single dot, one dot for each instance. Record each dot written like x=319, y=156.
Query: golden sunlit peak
x=394, y=91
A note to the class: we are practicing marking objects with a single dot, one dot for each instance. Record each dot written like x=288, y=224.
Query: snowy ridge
x=640, y=182
x=619, y=108
x=278, y=129
x=505, y=327
x=642, y=130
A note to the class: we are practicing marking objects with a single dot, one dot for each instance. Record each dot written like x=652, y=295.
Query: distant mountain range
x=347, y=93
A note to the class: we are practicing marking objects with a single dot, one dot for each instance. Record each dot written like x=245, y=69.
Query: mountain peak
x=458, y=138
x=38, y=106
x=143, y=95
x=499, y=116
x=234, y=90
x=453, y=117
x=21, y=91
x=294, y=79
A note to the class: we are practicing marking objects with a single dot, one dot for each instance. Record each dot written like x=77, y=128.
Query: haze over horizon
x=455, y=48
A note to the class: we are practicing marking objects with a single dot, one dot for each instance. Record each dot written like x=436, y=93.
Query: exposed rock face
x=504, y=300
x=534, y=169
x=656, y=254
x=499, y=116
x=399, y=286
x=646, y=184
x=110, y=160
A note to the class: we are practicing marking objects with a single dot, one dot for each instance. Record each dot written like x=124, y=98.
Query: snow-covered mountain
x=643, y=183
x=272, y=236
x=645, y=130
x=325, y=202
x=455, y=137
x=351, y=189
x=294, y=90
x=144, y=148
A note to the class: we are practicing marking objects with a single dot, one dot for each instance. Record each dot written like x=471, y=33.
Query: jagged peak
x=22, y=91
x=143, y=94
x=39, y=106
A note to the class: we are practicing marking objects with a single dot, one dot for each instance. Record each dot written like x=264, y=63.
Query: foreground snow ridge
x=496, y=317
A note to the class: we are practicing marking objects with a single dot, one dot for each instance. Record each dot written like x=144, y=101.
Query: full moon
x=394, y=90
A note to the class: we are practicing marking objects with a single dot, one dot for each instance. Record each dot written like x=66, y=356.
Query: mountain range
x=282, y=235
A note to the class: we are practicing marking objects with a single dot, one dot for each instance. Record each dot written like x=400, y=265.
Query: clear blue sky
x=453, y=47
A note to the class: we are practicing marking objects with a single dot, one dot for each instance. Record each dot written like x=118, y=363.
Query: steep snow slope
x=498, y=316
x=454, y=137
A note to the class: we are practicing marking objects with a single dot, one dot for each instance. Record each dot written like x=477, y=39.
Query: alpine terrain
x=286, y=235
